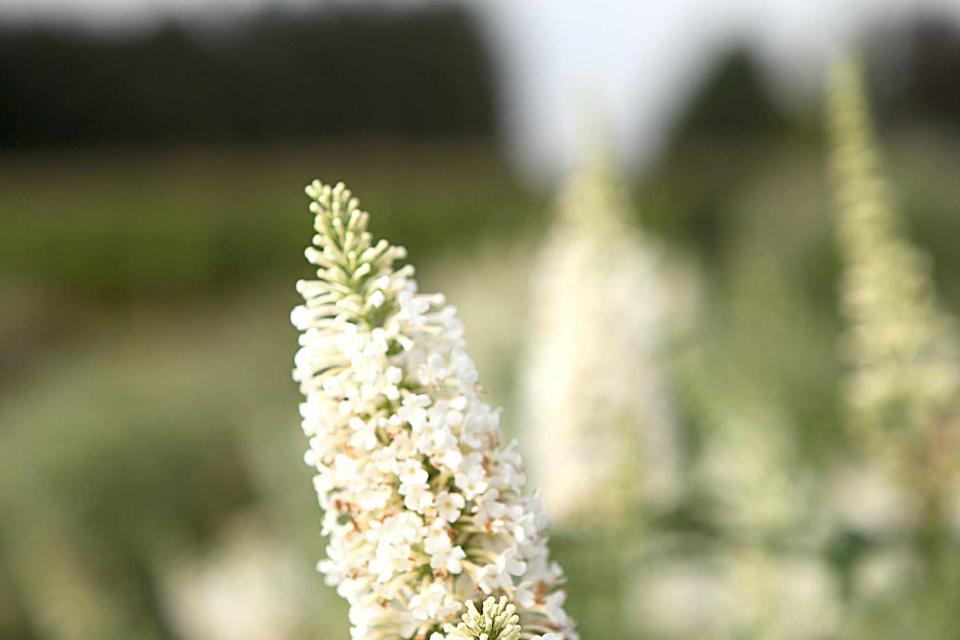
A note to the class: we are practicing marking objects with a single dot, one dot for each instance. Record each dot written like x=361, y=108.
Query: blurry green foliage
x=158, y=225
x=733, y=100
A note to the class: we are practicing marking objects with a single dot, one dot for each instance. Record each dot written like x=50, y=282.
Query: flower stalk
x=902, y=349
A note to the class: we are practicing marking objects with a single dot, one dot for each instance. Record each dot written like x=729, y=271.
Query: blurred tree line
x=418, y=71
x=733, y=124
x=916, y=78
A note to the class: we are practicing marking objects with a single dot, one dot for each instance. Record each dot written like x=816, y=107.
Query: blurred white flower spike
x=424, y=508
x=903, y=349
x=595, y=390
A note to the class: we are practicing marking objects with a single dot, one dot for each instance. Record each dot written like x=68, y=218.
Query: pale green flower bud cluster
x=497, y=621
x=903, y=350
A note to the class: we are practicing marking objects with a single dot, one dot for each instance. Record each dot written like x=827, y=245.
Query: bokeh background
x=152, y=158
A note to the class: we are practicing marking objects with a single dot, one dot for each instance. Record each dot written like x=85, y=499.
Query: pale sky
x=630, y=61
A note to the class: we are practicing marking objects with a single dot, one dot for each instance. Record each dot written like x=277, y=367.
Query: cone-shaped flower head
x=424, y=508
x=903, y=350
x=497, y=621
x=602, y=433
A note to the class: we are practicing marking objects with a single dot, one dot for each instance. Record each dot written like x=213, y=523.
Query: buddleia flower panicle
x=602, y=431
x=424, y=509
x=902, y=349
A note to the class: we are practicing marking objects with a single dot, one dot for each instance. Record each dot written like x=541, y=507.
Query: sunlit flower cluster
x=904, y=352
x=602, y=433
x=423, y=506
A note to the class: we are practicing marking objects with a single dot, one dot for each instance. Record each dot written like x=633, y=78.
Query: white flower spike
x=602, y=429
x=903, y=349
x=424, y=509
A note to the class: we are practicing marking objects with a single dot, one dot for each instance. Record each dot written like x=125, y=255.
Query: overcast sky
x=629, y=61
